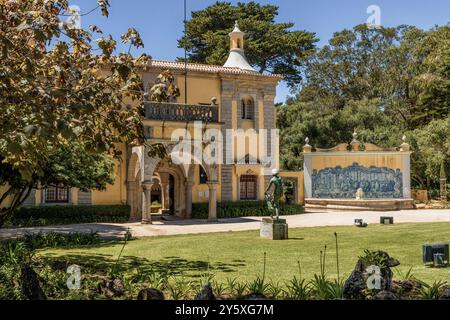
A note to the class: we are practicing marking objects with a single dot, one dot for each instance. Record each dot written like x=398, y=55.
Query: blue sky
x=160, y=23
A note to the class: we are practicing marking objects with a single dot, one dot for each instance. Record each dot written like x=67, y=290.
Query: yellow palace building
x=233, y=96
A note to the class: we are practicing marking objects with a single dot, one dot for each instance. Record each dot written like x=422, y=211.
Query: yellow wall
x=200, y=89
x=391, y=161
x=7, y=201
x=165, y=132
x=200, y=192
x=117, y=193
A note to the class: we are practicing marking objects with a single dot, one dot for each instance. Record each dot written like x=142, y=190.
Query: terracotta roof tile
x=198, y=67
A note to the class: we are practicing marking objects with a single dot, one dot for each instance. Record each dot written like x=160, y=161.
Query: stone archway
x=165, y=169
x=184, y=176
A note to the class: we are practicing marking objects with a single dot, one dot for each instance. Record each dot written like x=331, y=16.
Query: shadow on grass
x=101, y=263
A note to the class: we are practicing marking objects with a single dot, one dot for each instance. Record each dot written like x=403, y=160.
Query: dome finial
x=237, y=58
x=307, y=148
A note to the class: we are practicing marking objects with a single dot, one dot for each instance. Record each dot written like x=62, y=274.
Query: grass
x=241, y=254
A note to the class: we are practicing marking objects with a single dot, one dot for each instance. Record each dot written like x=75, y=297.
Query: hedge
x=53, y=215
x=243, y=209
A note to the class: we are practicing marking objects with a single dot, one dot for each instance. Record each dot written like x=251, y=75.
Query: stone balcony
x=181, y=112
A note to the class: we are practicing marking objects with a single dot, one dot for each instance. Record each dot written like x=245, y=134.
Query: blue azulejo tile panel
x=342, y=183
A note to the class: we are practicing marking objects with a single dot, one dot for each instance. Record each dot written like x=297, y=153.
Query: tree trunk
x=18, y=198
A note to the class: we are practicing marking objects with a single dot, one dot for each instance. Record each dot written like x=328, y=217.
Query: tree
x=55, y=90
x=300, y=120
x=431, y=146
x=270, y=46
x=385, y=83
x=369, y=64
x=434, y=82
x=165, y=88
x=70, y=165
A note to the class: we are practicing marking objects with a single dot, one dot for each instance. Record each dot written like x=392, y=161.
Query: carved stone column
x=146, y=214
x=189, y=185
x=212, y=209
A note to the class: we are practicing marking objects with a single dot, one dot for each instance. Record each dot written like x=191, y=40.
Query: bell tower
x=236, y=38
x=237, y=58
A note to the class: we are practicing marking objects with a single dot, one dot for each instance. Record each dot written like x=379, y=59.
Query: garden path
x=175, y=227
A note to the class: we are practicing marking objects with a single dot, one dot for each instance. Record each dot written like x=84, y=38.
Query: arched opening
x=239, y=44
x=248, y=108
x=177, y=183
x=156, y=195
x=171, y=203
x=171, y=189
x=203, y=177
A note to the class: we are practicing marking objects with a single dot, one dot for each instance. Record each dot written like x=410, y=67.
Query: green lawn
x=240, y=254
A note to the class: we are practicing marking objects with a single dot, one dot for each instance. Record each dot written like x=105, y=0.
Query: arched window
x=203, y=177
x=248, y=187
x=239, y=45
x=248, y=108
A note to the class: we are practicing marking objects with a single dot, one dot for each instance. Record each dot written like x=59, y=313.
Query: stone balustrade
x=181, y=112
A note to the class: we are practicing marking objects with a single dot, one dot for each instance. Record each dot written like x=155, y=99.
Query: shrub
x=54, y=240
x=243, y=209
x=53, y=215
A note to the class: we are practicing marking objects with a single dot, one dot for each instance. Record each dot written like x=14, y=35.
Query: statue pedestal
x=275, y=229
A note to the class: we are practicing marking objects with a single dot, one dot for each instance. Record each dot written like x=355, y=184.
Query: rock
x=356, y=284
x=410, y=285
x=386, y=295
x=445, y=293
x=150, y=294
x=31, y=288
x=206, y=293
x=391, y=262
x=407, y=289
x=111, y=287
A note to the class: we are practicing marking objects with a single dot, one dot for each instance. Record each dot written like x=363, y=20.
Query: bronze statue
x=273, y=200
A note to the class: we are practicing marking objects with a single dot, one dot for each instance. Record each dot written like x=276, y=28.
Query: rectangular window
x=59, y=194
x=248, y=189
